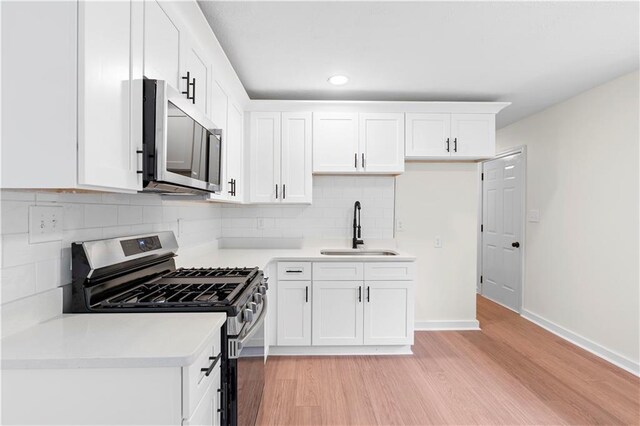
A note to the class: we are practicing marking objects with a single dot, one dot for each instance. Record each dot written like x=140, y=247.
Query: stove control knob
x=247, y=315
x=257, y=297
x=253, y=306
x=262, y=289
x=265, y=282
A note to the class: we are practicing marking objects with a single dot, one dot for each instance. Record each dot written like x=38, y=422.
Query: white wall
x=329, y=217
x=582, y=174
x=441, y=199
x=31, y=274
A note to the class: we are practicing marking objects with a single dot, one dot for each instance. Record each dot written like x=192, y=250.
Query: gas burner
x=211, y=272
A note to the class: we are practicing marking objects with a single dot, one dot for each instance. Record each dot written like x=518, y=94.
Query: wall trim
x=453, y=325
x=584, y=343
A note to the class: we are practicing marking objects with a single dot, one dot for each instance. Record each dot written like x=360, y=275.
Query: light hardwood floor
x=511, y=372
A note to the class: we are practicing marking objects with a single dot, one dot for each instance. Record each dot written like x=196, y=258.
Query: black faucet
x=357, y=229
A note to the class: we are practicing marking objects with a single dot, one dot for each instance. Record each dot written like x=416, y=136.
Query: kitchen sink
x=357, y=252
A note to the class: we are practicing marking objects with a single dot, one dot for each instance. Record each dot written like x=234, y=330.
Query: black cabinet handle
x=212, y=366
x=355, y=160
x=306, y=294
x=231, y=185
x=516, y=244
x=276, y=191
x=188, y=78
x=363, y=160
x=360, y=294
x=447, y=144
x=293, y=271
x=284, y=191
x=368, y=294
x=455, y=144
x=193, y=86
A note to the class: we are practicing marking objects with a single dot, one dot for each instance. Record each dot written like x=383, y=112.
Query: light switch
x=533, y=215
x=437, y=243
x=399, y=225
x=45, y=224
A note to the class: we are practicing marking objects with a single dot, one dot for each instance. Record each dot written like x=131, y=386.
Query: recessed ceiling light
x=338, y=80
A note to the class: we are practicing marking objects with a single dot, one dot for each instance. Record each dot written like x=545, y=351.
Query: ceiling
x=530, y=54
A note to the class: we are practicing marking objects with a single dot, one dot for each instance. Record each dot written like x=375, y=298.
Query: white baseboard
x=447, y=325
x=586, y=344
x=339, y=350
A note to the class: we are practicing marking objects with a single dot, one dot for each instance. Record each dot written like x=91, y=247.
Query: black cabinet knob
x=516, y=244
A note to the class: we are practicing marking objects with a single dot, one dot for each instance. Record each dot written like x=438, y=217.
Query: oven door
x=182, y=143
x=247, y=371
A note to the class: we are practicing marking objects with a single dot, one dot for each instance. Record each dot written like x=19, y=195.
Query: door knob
x=516, y=244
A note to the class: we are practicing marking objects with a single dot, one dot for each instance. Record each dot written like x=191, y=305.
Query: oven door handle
x=235, y=345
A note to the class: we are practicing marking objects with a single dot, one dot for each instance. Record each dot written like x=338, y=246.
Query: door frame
x=522, y=150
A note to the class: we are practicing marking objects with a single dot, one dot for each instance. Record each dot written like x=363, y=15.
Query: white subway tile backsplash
x=31, y=271
x=129, y=215
x=100, y=215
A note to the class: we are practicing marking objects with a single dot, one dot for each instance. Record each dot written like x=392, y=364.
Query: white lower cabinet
x=294, y=313
x=337, y=313
x=147, y=395
x=388, y=313
x=345, y=304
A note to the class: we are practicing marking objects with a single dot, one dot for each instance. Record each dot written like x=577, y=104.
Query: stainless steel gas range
x=138, y=274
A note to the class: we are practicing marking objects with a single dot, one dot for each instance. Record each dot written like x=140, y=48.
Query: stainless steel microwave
x=181, y=146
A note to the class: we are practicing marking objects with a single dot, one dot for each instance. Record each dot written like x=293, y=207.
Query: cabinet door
x=427, y=135
x=337, y=313
x=382, y=143
x=218, y=113
x=296, y=157
x=193, y=61
x=473, y=135
x=206, y=412
x=265, y=157
x=235, y=150
x=388, y=313
x=109, y=104
x=294, y=313
x=335, y=142
x=161, y=45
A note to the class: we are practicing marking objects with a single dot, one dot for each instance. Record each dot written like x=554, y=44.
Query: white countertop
x=210, y=256
x=112, y=340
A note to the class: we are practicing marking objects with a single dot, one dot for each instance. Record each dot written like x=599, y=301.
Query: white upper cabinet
x=280, y=157
x=161, y=45
x=450, y=136
x=295, y=164
x=358, y=143
x=382, y=143
x=194, y=73
x=265, y=157
x=428, y=135
x=234, y=153
x=109, y=87
x=335, y=142
x=473, y=135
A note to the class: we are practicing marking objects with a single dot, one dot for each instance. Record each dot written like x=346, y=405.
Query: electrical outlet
x=399, y=225
x=260, y=223
x=45, y=224
x=534, y=215
x=437, y=243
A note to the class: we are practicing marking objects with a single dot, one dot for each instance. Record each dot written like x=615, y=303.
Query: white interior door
x=502, y=193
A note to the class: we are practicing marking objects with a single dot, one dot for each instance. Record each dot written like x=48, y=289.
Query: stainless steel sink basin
x=355, y=252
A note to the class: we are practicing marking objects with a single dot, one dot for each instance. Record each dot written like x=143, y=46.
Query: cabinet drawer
x=338, y=271
x=294, y=271
x=389, y=271
x=195, y=382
